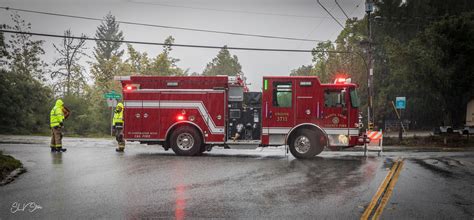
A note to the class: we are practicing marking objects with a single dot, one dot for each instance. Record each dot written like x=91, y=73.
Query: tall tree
x=69, y=76
x=223, y=64
x=441, y=61
x=107, y=53
x=137, y=62
x=3, y=48
x=164, y=64
x=397, y=26
x=303, y=71
x=24, y=52
x=109, y=30
x=23, y=96
x=107, y=64
x=321, y=60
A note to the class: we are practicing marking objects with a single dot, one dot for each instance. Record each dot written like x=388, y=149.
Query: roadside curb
x=13, y=175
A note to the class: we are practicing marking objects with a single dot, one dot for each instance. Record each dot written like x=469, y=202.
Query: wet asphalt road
x=91, y=180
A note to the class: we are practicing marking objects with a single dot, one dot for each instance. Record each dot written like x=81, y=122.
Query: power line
x=337, y=3
x=315, y=28
x=173, y=45
x=352, y=12
x=163, y=26
x=322, y=6
x=229, y=10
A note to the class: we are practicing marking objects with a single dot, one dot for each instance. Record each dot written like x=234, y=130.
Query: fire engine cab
x=191, y=114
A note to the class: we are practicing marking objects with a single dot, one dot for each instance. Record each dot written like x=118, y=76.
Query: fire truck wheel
x=185, y=141
x=201, y=150
x=305, y=144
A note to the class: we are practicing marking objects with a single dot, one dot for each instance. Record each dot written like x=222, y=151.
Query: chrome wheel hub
x=302, y=144
x=185, y=141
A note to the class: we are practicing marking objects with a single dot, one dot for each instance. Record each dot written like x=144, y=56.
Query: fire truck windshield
x=333, y=99
x=355, y=102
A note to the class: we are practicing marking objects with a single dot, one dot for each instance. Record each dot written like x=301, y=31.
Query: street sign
x=401, y=102
x=112, y=95
x=369, y=7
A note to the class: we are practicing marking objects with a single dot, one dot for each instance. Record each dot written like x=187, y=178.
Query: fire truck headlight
x=338, y=140
x=343, y=139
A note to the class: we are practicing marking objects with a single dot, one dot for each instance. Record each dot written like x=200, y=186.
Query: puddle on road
x=446, y=167
x=387, y=163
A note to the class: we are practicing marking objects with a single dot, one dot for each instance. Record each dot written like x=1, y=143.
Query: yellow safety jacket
x=118, y=115
x=56, y=116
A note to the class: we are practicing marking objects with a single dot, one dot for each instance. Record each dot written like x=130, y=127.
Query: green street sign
x=112, y=95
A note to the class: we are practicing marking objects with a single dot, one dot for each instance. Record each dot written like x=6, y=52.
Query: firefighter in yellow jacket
x=57, y=116
x=117, y=123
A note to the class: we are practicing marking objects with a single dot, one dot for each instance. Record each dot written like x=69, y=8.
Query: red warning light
x=128, y=88
x=341, y=80
x=180, y=117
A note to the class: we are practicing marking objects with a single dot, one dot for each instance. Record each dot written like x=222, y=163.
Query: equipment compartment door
x=307, y=101
x=215, y=115
x=133, y=119
x=150, y=116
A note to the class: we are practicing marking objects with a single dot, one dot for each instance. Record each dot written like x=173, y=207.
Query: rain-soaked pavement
x=92, y=181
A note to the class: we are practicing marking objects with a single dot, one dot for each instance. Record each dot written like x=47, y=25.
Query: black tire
x=303, y=137
x=201, y=150
x=186, y=141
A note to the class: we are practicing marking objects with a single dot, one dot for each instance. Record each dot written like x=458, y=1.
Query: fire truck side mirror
x=343, y=101
x=343, y=96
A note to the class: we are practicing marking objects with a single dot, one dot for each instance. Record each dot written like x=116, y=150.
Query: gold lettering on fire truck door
x=281, y=116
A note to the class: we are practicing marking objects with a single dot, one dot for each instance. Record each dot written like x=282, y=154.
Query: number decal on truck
x=281, y=116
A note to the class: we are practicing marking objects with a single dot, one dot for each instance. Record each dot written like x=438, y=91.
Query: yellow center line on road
x=383, y=193
x=387, y=194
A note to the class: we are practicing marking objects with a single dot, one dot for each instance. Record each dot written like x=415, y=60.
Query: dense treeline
x=423, y=50
x=30, y=86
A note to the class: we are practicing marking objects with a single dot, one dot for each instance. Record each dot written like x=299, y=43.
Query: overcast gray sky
x=288, y=18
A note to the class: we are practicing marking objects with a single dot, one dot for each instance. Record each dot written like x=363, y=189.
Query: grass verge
x=7, y=165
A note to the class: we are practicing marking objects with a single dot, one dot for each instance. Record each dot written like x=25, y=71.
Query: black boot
x=119, y=149
x=53, y=149
x=61, y=149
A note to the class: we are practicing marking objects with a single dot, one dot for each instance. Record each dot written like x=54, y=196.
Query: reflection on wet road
x=90, y=180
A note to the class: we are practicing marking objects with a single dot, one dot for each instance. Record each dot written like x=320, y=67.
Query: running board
x=231, y=142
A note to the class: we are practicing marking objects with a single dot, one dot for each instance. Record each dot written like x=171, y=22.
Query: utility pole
x=369, y=8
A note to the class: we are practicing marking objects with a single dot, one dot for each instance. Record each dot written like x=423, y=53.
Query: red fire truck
x=191, y=114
